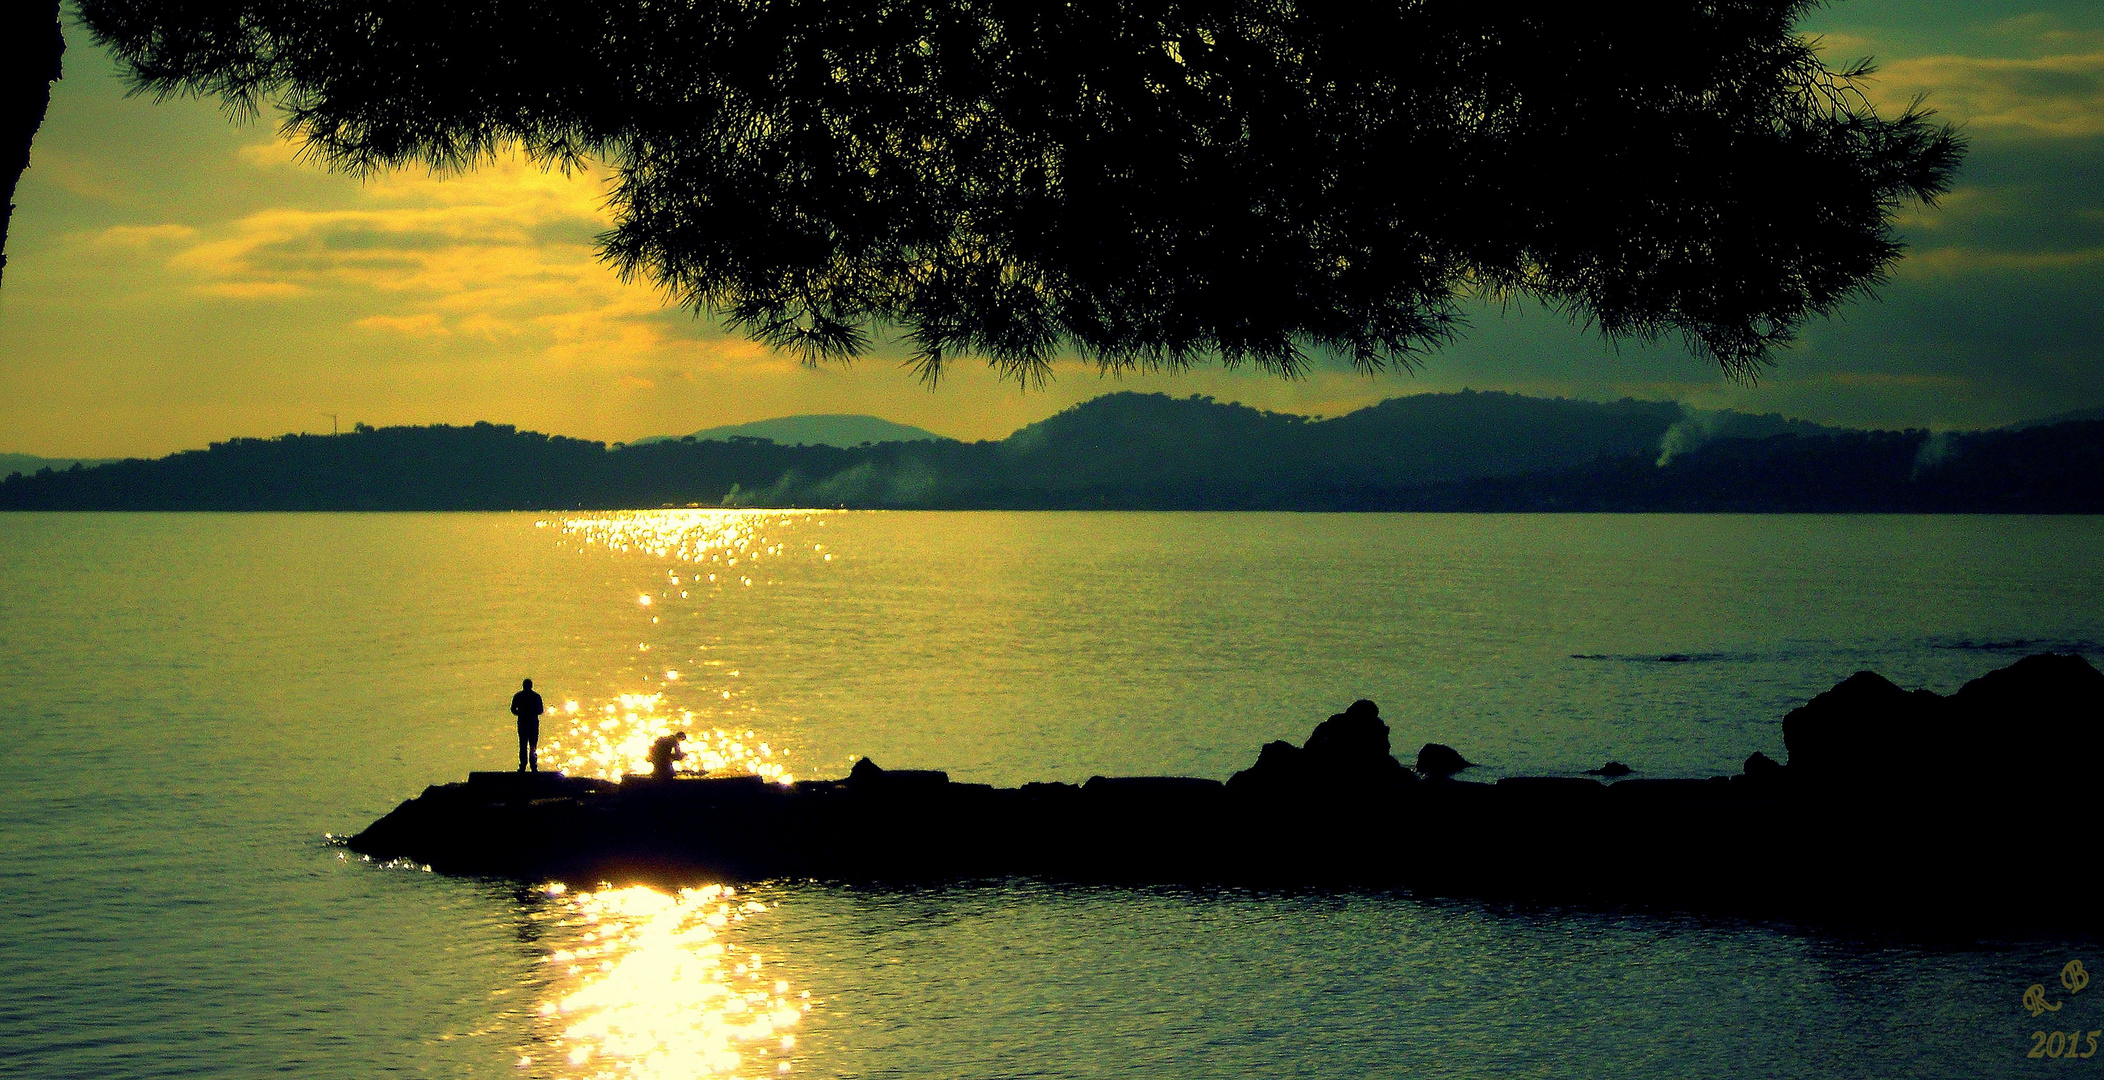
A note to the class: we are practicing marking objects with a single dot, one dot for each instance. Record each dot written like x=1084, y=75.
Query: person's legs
x=525, y=747
x=533, y=747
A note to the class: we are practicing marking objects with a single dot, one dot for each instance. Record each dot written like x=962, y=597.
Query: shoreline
x=1863, y=824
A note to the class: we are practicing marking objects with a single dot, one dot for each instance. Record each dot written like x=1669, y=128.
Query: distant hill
x=814, y=429
x=2052, y=469
x=1199, y=443
x=1452, y=452
x=29, y=463
x=2069, y=417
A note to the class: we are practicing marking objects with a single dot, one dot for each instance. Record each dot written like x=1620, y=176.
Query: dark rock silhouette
x=2047, y=714
x=1280, y=766
x=1866, y=731
x=1346, y=755
x=867, y=776
x=1612, y=768
x=1439, y=759
x=2037, y=722
x=1356, y=733
x=1842, y=831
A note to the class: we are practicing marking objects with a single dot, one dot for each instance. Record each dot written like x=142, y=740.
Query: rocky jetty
x=1895, y=807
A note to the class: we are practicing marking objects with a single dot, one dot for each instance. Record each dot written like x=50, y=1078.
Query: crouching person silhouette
x=663, y=753
x=526, y=705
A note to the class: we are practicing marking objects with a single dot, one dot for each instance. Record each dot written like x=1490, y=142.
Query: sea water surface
x=191, y=705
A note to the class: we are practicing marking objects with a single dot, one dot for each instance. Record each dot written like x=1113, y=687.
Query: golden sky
x=176, y=279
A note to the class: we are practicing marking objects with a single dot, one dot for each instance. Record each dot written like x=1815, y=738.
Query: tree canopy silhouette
x=1151, y=183
x=32, y=49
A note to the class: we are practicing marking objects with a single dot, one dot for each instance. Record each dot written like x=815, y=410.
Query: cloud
x=1964, y=205
x=251, y=290
x=2046, y=29
x=275, y=154
x=138, y=237
x=425, y=325
x=504, y=255
x=76, y=175
x=1957, y=261
x=2055, y=96
x=1889, y=380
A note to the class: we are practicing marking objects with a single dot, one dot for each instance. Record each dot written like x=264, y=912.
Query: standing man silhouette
x=526, y=705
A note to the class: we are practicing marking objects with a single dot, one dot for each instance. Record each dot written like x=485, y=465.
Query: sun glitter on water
x=651, y=984
x=717, y=556
x=724, y=538
x=617, y=741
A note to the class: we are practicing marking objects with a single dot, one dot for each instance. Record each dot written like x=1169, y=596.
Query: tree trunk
x=30, y=60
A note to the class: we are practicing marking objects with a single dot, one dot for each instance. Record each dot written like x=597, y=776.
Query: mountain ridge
x=1463, y=451
x=30, y=463
x=810, y=429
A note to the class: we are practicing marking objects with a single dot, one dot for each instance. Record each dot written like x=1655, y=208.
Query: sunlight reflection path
x=618, y=742
x=707, y=538
x=713, y=552
x=651, y=984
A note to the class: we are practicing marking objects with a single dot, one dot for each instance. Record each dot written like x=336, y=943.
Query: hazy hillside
x=813, y=429
x=1146, y=451
x=2069, y=417
x=2052, y=469
x=29, y=463
x=1423, y=438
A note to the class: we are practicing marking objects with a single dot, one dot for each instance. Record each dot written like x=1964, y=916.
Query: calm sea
x=191, y=704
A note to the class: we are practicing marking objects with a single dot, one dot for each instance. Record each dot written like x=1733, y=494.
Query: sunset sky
x=176, y=279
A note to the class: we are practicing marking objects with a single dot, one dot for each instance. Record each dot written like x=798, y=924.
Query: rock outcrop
x=1437, y=760
x=2037, y=724
x=1346, y=756
x=1866, y=732
x=1896, y=807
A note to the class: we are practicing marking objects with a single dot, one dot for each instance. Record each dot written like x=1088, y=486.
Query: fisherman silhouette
x=526, y=705
x=663, y=753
